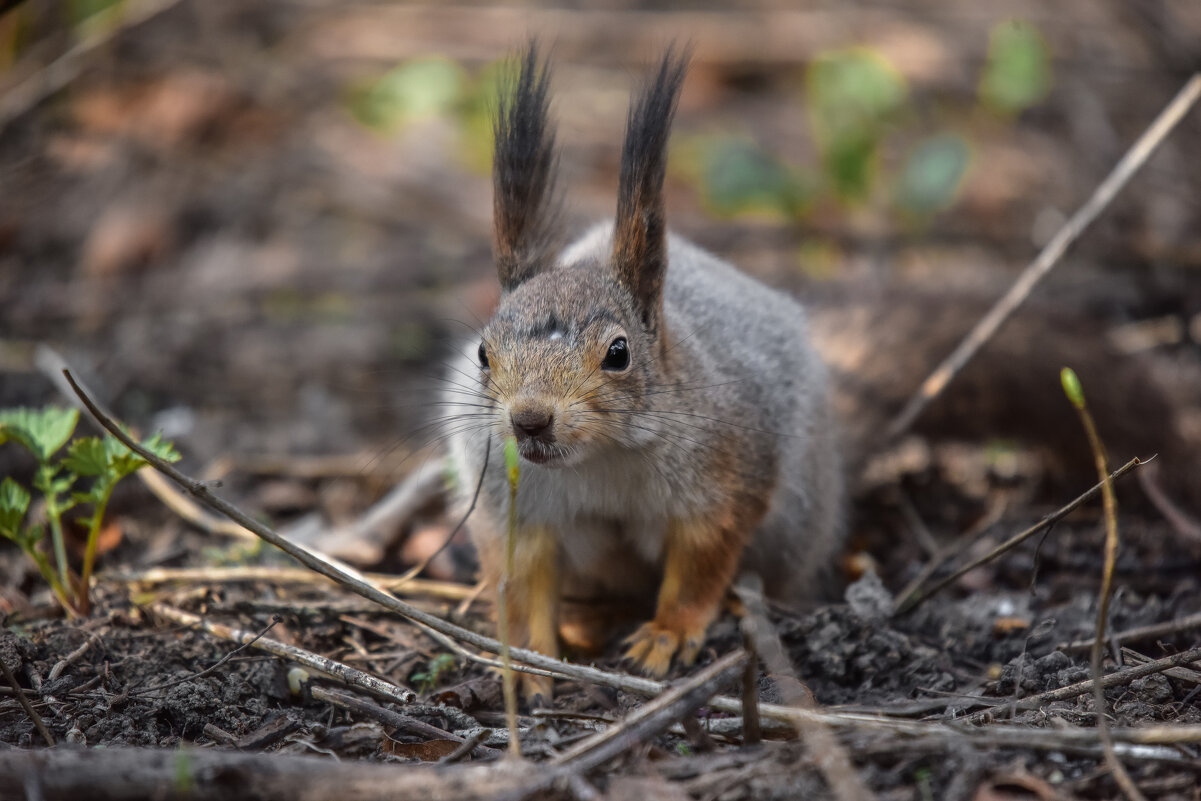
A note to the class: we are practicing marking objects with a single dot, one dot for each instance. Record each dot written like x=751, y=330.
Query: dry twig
x=1119, y=677
x=38, y=723
x=445, y=590
x=907, y=603
x=397, y=721
x=653, y=716
x=1153, y=631
x=337, y=670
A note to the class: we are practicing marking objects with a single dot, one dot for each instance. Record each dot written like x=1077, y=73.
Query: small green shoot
x=513, y=470
x=86, y=476
x=1072, y=388
x=1075, y=392
x=434, y=673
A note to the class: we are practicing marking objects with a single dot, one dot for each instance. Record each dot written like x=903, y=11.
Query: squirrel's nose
x=532, y=423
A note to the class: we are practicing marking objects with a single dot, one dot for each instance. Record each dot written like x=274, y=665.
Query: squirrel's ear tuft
x=640, y=235
x=523, y=178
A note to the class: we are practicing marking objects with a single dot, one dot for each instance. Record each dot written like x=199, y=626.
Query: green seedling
x=85, y=476
x=513, y=470
x=1075, y=392
x=434, y=673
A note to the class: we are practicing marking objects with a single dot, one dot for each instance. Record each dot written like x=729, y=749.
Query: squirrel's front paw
x=653, y=645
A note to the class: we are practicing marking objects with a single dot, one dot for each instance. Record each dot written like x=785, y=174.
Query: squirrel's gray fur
x=722, y=407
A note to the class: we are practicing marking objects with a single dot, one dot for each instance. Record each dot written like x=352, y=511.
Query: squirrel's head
x=571, y=351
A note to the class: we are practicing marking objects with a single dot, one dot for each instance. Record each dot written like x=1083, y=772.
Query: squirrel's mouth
x=541, y=453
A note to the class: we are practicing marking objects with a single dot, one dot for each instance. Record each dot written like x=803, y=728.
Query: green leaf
x=738, y=177
x=14, y=503
x=420, y=88
x=161, y=448
x=120, y=461
x=87, y=457
x=852, y=97
x=42, y=431
x=1018, y=71
x=1072, y=387
x=932, y=174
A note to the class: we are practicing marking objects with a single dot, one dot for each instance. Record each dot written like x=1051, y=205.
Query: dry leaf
x=429, y=751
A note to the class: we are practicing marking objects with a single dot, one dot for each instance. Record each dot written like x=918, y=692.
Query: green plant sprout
x=426, y=680
x=509, y=685
x=64, y=484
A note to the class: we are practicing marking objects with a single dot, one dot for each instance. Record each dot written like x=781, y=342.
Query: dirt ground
x=195, y=215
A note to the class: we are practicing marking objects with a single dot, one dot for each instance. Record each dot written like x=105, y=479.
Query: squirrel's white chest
x=617, y=496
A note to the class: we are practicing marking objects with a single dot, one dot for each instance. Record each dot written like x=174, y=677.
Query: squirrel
x=670, y=414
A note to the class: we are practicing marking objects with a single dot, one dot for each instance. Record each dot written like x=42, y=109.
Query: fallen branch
x=1125, y=169
x=26, y=704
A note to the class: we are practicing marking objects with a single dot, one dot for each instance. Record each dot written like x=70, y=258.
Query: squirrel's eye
x=618, y=357
x=483, y=354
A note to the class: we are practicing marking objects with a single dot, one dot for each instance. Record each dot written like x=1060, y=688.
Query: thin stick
x=348, y=576
x=1119, y=677
x=1125, y=169
x=951, y=550
x=907, y=603
x=1140, y=633
x=330, y=667
x=829, y=754
x=211, y=669
x=653, y=716
x=52, y=365
x=468, y=746
x=752, y=731
x=445, y=590
x=38, y=723
x=396, y=720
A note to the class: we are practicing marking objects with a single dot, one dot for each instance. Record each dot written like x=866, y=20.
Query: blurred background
x=258, y=226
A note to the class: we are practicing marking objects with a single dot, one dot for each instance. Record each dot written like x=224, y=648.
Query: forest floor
x=202, y=228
